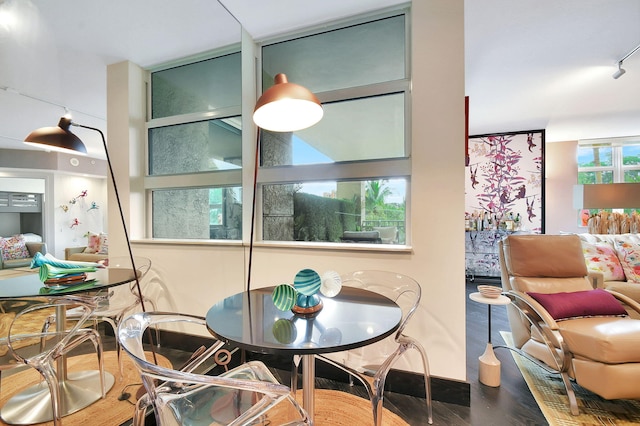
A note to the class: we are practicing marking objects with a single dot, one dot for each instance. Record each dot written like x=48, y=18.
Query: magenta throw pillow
x=588, y=303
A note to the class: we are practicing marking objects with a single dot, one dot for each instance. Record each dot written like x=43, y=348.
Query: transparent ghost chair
x=119, y=301
x=30, y=346
x=370, y=364
x=239, y=396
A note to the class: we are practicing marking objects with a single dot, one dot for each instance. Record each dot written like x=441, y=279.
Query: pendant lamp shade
x=287, y=107
x=57, y=138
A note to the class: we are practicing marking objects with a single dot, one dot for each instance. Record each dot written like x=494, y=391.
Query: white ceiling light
x=621, y=71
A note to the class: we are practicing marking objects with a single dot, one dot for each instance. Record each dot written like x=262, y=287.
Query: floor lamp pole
x=124, y=224
x=253, y=208
x=124, y=227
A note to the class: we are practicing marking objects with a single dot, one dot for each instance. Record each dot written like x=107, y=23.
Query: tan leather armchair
x=600, y=352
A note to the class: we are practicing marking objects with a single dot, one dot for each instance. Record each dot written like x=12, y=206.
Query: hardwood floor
x=510, y=404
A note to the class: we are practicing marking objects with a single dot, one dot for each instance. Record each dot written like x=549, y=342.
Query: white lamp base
x=489, y=367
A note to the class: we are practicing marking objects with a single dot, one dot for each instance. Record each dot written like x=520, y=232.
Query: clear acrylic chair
x=181, y=397
x=31, y=347
x=119, y=301
x=371, y=364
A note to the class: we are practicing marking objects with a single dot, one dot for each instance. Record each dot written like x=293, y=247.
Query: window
x=609, y=161
x=350, y=172
x=195, y=150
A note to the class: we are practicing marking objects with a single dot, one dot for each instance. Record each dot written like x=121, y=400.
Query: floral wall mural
x=503, y=194
x=505, y=178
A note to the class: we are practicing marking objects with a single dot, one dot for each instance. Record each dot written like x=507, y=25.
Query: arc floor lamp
x=284, y=107
x=61, y=139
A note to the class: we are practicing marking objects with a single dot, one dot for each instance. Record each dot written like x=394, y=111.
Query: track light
x=620, y=72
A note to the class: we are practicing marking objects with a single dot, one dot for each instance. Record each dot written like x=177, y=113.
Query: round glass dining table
x=352, y=319
x=78, y=389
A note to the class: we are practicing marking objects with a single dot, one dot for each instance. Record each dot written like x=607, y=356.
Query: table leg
x=77, y=391
x=489, y=323
x=489, y=364
x=308, y=384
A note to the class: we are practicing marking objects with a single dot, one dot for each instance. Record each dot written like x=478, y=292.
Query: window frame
x=617, y=167
x=189, y=180
x=387, y=168
x=370, y=169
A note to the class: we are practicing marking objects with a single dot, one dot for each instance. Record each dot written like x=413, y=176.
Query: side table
x=488, y=364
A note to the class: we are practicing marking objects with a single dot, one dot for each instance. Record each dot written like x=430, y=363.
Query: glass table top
x=354, y=318
x=29, y=285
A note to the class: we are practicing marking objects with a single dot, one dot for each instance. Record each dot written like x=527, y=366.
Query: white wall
x=68, y=187
x=561, y=169
x=199, y=274
x=31, y=185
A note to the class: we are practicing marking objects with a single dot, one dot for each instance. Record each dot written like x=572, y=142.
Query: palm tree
x=375, y=193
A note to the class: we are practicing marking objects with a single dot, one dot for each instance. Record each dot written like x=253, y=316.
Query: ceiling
x=542, y=64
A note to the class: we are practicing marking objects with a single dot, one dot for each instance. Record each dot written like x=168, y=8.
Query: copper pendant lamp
x=287, y=107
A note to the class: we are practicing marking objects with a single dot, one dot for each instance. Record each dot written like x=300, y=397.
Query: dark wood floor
x=509, y=404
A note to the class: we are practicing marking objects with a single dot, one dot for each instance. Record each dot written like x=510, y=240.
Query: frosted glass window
x=195, y=147
x=197, y=87
x=198, y=213
x=358, y=55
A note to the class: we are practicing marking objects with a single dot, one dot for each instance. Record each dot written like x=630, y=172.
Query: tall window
x=195, y=150
x=346, y=178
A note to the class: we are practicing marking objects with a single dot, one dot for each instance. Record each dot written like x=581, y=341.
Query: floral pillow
x=14, y=248
x=629, y=255
x=602, y=257
x=96, y=243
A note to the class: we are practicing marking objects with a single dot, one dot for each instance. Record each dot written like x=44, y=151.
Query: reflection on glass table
x=353, y=318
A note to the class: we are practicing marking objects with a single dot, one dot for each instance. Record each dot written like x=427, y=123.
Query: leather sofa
x=32, y=247
x=78, y=254
x=597, y=349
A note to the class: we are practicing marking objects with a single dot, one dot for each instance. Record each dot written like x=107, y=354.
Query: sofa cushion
x=96, y=243
x=609, y=340
x=629, y=255
x=578, y=304
x=602, y=257
x=14, y=248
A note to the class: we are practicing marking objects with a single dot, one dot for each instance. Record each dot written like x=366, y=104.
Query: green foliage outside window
x=321, y=218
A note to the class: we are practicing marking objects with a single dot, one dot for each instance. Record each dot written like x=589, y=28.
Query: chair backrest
x=402, y=289
x=544, y=263
x=541, y=264
x=121, y=296
x=173, y=393
x=10, y=308
x=26, y=327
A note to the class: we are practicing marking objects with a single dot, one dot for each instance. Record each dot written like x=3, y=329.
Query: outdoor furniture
x=361, y=237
